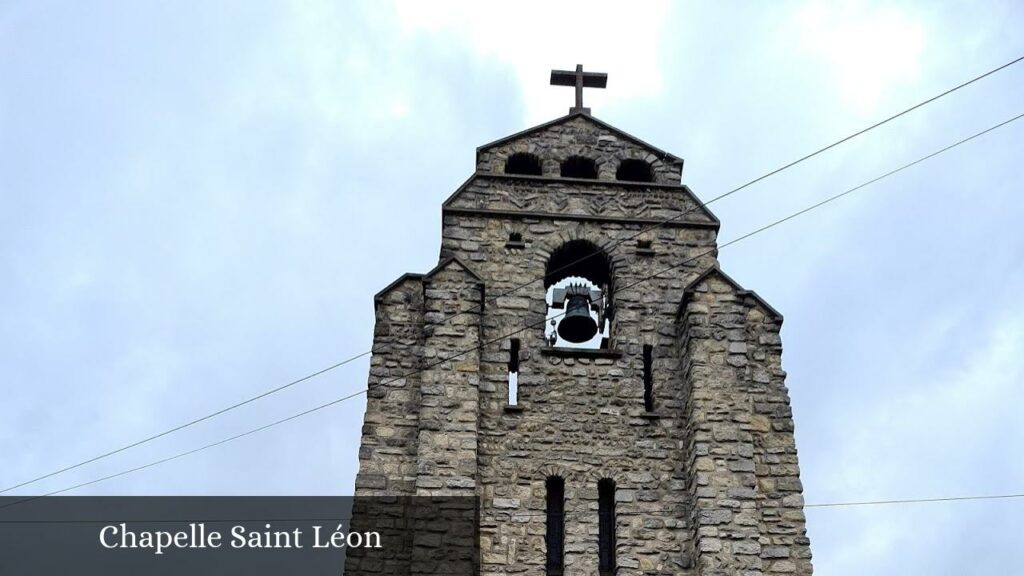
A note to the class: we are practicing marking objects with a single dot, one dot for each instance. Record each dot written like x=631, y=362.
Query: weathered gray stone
x=706, y=484
x=746, y=548
x=506, y=503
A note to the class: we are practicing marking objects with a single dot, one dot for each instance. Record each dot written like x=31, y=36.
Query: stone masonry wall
x=446, y=459
x=748, y=508
x=581, y=418
x=607, y=200
x=706, y=484
x=387, y=454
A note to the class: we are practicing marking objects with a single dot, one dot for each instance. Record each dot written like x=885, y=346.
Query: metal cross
x=580, y=80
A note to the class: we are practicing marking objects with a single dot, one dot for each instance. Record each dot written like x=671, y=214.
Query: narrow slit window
x=555, y=536
x=648, y=379
x=606, y=527
x=513, y=373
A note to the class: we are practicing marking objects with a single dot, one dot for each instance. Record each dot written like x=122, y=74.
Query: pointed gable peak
x=577, y=118
x=546, y=149
x=453, y=262
x=711, y=274
x=401, y=281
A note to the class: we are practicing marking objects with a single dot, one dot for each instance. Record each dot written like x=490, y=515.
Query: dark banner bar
x=178, y=535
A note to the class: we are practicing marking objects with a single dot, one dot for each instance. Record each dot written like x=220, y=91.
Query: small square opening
x=644, y=248
x=515, y=240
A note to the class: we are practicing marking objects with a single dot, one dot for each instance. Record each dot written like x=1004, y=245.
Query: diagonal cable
x=339, y=400
x=698, y=206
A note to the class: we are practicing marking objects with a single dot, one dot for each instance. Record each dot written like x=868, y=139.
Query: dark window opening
x=555, y=535
x=579, y=167
x=643, y=244
x=579, y=258
x=606, y=527
x=523, y=163
x=513, y=373
x=648, y=381
x=634, y=171
x=515, y=241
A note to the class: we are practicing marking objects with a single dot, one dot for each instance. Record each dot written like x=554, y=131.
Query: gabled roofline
x=451, y=198
x=379, y=296
x=447, y=261
x=566, y=118
x=634, y=139
x=740, y=290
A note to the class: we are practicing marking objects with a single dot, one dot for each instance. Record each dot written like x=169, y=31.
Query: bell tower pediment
x=579, y=167
x=560, y=148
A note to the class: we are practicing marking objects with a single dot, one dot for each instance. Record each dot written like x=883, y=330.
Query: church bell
x=577, y=326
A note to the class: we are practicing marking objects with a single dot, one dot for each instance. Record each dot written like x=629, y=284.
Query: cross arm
x=568, y=78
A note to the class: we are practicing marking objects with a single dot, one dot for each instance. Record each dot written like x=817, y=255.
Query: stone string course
x=706, y=485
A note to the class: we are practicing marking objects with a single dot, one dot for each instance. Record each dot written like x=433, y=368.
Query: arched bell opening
x=523, y=163
x=579, y=288
x=578, y=167
x=635, y=171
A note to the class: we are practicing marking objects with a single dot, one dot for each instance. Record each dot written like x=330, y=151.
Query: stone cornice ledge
x=563, y=352
x=666, y=223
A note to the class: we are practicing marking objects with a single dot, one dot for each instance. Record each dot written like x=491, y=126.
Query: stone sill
x=645, y=252
x=514, y=409
x=650, y=416
x=512, y=245
x=564, y=352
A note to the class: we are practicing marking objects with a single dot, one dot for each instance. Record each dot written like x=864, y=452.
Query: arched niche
x=632, y=170
x=523, y=163
x=579, y=167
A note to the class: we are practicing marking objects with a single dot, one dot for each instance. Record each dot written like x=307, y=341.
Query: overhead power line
x=841, y=504
x=336, y=401
x=913, y=501
x=516, y=288
x=570, y=514
x=700, y=204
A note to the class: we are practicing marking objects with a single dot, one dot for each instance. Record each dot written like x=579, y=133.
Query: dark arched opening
x=554, y=537
x=634, y=171
x=523, y=163
x=579, y=167
x=579, y=258
x=606, y=527
x=579, y=282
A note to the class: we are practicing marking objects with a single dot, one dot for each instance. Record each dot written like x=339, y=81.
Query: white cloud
x=934, y=432
x=220, y=250
x=865, y=49
x=534, y=37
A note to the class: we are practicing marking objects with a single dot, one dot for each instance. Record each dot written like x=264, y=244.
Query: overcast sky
x=198, y=201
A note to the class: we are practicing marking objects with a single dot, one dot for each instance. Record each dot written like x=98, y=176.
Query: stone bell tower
x=578, y=361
